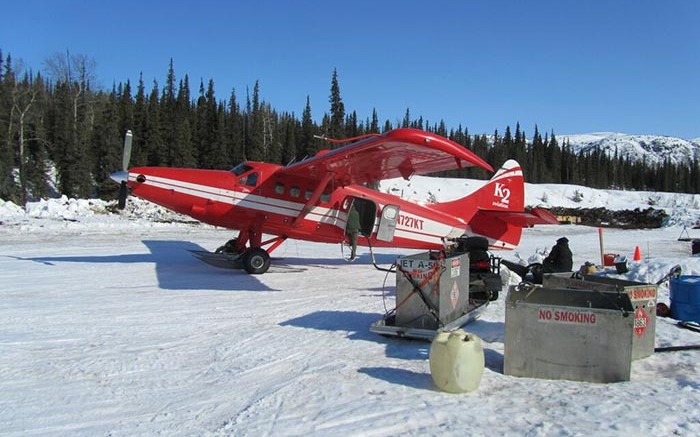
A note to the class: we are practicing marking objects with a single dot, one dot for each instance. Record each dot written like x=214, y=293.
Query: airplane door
x=387, y=223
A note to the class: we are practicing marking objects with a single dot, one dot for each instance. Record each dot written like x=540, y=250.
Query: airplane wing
x=400, y=152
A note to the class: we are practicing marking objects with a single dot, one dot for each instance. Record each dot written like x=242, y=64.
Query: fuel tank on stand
x=432, y=294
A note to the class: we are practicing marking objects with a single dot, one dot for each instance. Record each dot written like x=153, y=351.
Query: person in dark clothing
x=352, y=230
x=560, y=259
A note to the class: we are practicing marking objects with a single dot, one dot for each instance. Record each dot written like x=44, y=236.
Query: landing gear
x=243, y=252
x=256, y=261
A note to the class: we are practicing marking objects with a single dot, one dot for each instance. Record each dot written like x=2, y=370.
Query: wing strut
x=314, y=198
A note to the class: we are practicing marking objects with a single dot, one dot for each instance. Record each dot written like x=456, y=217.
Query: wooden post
x=602, y=254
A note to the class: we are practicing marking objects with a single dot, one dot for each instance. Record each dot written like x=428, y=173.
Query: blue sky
x=571, y=66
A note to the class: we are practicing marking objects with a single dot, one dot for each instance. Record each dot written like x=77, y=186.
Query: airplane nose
x=120, y=176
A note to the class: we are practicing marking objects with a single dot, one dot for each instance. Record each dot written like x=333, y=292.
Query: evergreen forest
x=58, y=121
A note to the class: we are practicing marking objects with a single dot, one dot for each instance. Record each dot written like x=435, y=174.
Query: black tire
x=256, y=261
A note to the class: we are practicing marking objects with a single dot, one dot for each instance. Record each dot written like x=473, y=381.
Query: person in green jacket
x=352, y=229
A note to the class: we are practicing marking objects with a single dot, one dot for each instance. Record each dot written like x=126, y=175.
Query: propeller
x=123, y=176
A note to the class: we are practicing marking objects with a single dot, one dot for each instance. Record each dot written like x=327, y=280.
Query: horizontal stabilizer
x=537, y=216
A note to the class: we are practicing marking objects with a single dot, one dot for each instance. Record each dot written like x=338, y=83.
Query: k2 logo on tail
x=502, y=193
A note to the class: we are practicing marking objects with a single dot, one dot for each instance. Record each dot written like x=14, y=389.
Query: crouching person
x=560, y=259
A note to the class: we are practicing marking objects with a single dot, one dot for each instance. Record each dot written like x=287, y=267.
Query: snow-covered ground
x=108, y=326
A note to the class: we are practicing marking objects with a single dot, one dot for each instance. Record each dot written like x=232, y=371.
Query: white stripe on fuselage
x=241, y=199
x=414, y=227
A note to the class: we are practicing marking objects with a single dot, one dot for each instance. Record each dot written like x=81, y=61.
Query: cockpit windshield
x=240, y=169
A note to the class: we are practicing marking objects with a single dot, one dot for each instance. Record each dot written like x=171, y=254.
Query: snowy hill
x=655, y=148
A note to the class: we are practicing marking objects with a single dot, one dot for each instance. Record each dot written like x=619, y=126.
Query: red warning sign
x=575, y=317
x=641, y=321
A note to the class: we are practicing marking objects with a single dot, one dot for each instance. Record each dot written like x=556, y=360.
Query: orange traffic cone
x=637, y=254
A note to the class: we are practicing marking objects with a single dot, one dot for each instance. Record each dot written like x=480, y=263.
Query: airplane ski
x=231, y=261
x=221, y=260
x=387, y=326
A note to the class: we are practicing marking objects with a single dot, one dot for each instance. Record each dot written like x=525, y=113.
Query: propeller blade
x=122, y=177
x=127, y=150
x=123, y=191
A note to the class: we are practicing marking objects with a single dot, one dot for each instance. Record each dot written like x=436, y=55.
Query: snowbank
x=9, y=209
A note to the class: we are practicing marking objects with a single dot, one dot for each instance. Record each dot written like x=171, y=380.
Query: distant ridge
x=653, y=148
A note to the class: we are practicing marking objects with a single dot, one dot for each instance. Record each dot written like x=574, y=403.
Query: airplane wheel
x=256, y=261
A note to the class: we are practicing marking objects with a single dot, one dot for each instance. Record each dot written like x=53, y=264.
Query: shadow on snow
x=175, y=267
x=356, y=325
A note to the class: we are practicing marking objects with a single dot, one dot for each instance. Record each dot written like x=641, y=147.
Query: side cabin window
x=251, y=180
x=295, y=191
x=279, y=188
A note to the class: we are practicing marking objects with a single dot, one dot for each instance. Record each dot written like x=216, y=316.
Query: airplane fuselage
x=254, y=198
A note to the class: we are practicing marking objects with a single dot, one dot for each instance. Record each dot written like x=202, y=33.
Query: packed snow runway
x=108, y=326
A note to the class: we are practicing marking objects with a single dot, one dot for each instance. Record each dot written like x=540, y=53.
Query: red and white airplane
x=311, y=199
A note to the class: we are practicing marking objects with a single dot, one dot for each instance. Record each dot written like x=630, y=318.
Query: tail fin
x=496, y=210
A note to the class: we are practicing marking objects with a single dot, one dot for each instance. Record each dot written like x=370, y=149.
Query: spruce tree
x=387, y=126
x=255, y=149
x=271, y=135
x=307, y=140
x=139, y=150
x=66, y=156
x=75, y=74
x=289, y=130
x=508, y=141
x=537, y=159
x=336, y=129
x=169, y=120
x=374, y=125
x=125, y=109
x=184, y=142
x=212, y=153
x=234, y=132
x=351, y=127
x=153, y=131
x=520, y=148
x=35, y=153
x=107, y=145
x=406, y=119
x=8, y=188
